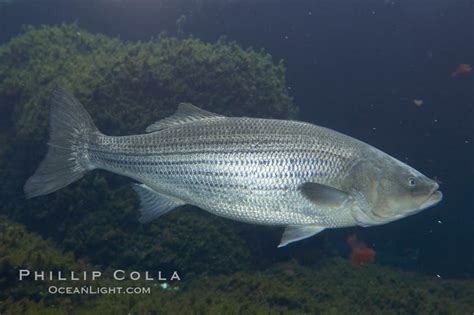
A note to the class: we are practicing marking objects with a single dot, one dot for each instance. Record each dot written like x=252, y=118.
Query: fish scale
x=248, y=169
x=263, y=171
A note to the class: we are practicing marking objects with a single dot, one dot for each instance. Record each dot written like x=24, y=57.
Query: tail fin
x=70, y=128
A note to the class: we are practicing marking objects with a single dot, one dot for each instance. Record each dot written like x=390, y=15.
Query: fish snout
x=434, y=197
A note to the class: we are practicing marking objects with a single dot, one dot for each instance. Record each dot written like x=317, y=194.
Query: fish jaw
x=432, y=200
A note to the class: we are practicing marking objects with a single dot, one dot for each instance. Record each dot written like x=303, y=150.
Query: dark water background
x=354, y=66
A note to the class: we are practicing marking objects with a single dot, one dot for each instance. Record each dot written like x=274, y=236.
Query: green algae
x=332, y=286
x=20, y=249
x=126, y=86
x=115, y=79
x=34, y=62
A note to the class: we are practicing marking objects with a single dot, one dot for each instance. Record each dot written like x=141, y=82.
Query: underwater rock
x=126, y=86
x=332, y=286
x=22, y=249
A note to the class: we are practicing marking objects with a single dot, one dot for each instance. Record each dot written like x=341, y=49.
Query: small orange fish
x=462, y=69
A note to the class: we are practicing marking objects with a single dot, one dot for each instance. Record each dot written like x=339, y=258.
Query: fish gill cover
x=93, y=223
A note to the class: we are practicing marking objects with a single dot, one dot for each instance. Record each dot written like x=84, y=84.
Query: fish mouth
x=433, y=199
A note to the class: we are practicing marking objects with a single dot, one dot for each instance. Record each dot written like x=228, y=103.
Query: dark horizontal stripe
x=280, y=162
x=300, y=174
x=156, y=169
x=271, y=151
x=197, y=185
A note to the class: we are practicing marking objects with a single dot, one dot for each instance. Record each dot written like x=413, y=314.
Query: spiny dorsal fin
x=185, y=113
x=153, y=204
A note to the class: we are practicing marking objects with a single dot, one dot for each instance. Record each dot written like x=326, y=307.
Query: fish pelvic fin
x=294, y=233
x=153, y=204
x=70, y=127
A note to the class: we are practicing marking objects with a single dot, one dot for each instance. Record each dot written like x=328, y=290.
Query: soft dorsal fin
x=185, y=113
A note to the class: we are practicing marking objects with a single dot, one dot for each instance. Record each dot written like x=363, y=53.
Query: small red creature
x=361, y=254
x=462, y=69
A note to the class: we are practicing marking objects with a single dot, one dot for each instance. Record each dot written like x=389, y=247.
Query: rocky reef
x=332, y=286
x=125, y=87
x=226, y=267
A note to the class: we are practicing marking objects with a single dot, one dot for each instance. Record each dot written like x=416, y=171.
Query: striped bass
x=262, y=171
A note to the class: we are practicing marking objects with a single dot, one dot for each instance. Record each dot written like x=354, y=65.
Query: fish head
x=392, y=190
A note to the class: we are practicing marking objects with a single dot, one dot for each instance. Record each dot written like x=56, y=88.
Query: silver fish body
x=262, y=171
x=245, y=169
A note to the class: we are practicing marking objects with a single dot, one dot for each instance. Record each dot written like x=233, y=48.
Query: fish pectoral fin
x=185, y=113
x=324, y=195
x=295, y=233
x=153, y=204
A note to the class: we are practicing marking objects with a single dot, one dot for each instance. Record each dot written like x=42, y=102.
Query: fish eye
x=411, y=181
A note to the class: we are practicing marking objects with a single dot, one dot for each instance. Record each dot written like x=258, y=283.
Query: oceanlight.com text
x=94, y=290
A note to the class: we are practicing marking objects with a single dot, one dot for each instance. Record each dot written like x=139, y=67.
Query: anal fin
x=295, y=233
x=153, y=204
